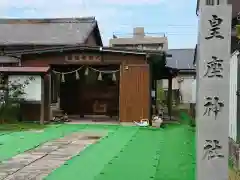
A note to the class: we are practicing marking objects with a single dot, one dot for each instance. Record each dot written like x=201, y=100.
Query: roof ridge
x=46, y=20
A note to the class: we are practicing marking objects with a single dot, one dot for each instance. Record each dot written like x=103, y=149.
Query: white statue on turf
x=145, y=122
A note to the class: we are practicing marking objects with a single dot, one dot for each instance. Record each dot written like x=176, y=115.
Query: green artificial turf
x=138, y=160
x=126, y=153
x=131, y=153
x=90, y=162
x=15, y=143
x=177, y=157
x=11, y=127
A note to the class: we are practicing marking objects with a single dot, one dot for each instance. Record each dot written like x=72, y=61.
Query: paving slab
x=39, y=162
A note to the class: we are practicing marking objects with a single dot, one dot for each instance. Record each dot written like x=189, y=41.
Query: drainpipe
x=197, y=8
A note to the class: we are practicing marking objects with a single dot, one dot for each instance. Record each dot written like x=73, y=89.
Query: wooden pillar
x=47, y=97
x=151, y=82
x=42, y=114
x=58, y=79
x=153, y=97
x=169, y=97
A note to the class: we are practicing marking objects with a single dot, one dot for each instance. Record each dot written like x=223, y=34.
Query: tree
x=157, y=64
x=11, y=96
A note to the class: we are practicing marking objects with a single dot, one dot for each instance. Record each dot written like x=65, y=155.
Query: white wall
x=194, y=91
x=174, y=84
x=185, y=86
x=233, y=96
x=186, y=89
x=32, y=90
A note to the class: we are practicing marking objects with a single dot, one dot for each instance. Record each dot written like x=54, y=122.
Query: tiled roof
x=45, y=31
x=181, y=59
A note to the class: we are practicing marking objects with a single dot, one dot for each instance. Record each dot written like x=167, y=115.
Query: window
x=212, y=2
x=160, y=47
x=127, y=46
x=153, y=47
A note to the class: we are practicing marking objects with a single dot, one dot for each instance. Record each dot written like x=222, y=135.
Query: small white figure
x=157, y=121
x=142, y=123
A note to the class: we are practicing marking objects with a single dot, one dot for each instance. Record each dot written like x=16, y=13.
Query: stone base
x=234, y=153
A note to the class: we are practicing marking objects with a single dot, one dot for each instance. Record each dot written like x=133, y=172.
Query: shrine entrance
x=87, y=92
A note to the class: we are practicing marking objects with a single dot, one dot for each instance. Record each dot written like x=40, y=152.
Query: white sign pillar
x=212, y=3
x=213, y=92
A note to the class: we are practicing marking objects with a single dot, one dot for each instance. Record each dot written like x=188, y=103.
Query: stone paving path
x=37, y=163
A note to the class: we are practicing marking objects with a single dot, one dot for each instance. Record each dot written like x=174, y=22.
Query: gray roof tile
x=181, y=59
x=45, y=31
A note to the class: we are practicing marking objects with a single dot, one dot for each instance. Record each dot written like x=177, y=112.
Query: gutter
x=51, y=49
x=72, y=47
x=187, y=71
x=195, y=54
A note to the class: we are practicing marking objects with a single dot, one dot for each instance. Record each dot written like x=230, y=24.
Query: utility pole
x=212, y=106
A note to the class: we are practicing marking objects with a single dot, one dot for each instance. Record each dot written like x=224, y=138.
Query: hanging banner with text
x=213, y=92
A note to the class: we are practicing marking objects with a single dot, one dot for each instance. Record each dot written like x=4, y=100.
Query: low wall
x=30, y=111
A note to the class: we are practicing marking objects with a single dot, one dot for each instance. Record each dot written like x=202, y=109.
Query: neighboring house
x=140, y=41
x=194, y=84
x=234, y=63
x=181, y=59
